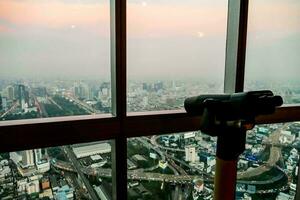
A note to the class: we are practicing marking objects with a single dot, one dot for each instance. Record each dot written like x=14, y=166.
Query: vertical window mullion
x=236, y=45
x=118, y=87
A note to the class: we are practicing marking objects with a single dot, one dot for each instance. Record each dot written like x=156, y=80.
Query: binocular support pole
x=229, y=146
x=229, y=116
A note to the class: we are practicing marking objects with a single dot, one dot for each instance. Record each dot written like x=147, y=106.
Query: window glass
x=175, y=166
x=55, y=58
x=268, y=169
x=182, y=165
x=272, y=60
x=175, y=49
x=79, y=171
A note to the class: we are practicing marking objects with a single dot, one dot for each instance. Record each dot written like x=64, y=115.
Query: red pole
x=225, y=179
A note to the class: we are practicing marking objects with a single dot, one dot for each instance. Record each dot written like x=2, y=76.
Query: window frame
x=121, y=125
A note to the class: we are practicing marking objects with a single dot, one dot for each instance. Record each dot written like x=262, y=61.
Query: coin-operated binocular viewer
x=228, y=117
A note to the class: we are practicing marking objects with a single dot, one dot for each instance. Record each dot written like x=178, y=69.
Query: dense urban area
x=174, y=166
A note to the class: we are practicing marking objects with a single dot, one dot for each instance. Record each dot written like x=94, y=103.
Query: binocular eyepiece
x=244, y=105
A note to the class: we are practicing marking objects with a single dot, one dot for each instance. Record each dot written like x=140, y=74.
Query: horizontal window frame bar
x=71, y=119
x=46, y=134
x=179, y=121
x=36, y=135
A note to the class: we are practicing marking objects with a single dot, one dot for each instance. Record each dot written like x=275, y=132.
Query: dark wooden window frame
x=120, y=125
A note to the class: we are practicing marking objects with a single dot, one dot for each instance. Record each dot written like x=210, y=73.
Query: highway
x=69, y=153
x=14, y=106
x=82, y=105
x=180, y=177
x=172, y=165
x=54, y=102
x=40, y=107
x=275, y=155
x=132, y=174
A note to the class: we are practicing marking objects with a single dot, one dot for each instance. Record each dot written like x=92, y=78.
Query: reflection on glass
x=55, y=58
x=272, y=60
x=183, y=165
x=175, y=49
x=80, y=171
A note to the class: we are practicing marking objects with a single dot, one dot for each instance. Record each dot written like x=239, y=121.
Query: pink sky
x=53, y=14
x=143, y=19
x=147, y=19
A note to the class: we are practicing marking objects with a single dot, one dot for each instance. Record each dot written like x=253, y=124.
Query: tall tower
x=10, y=92
x=38, y=155
x=21, y=96
x=27, y=158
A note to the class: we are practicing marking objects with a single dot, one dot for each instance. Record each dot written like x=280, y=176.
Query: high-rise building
x=10, y=92
x=27, y=158
x=82, y=91
x=190, y=153
x=4, y=103
x=158, y=86
x=21, y=96
x=38, y=156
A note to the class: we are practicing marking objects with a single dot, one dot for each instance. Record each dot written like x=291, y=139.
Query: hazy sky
x=166, y=39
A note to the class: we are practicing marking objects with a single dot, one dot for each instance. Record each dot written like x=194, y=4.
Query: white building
x=4, y=171
x=91, y=149
x=27, y=158
x=16, y=157
x=33, y=187
x=190, y=154
x=43, y=166
x=283, y=196
x=21, y=185
x=38, y=155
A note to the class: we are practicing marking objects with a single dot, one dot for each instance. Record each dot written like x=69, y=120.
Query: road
x=54, y=102
x=14, y=106
x=136, y=174
x=78, y=168
x=40, y=107
x=172, y=165
x=82, y=105
x=275, y=155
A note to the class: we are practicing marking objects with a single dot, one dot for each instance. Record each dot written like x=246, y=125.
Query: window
x=170, y=53
x=268, y=168
x=55, y=58
x=118, y=127
x=78, y=171
x=273, y=42
x=183, y=164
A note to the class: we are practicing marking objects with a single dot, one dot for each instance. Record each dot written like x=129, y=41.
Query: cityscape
x=172, y=166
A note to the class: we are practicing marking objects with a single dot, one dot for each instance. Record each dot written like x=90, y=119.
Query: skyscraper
x=38, y=155
x=10, y=93
x=27, y=158
x=21, y=96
